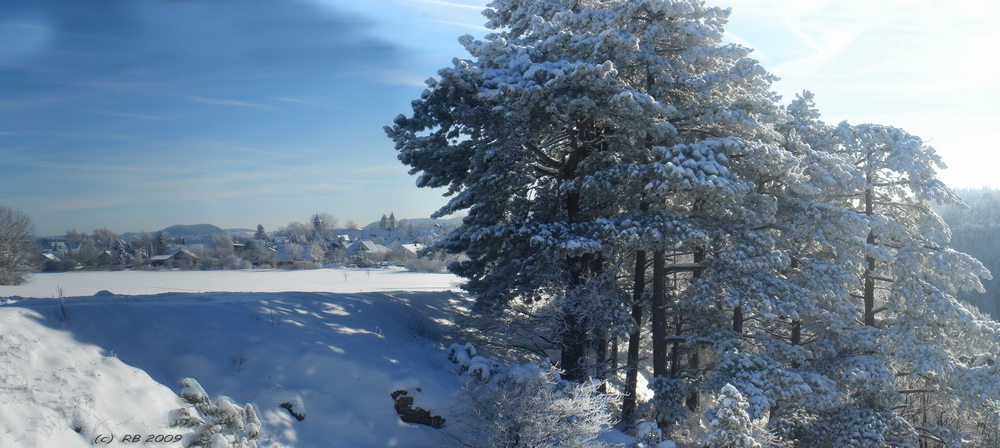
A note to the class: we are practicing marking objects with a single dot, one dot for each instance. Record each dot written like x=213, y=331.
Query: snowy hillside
x=105, y=361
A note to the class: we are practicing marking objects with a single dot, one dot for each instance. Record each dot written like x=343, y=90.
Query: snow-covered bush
x=859, y=427
x=461, y=354
x=218, y=424
x=649, y=435
x=731, y=425
x=426, y=264
x=431, y=262
x=527, y=405
x=470, y=363
x=669, y=402
x=306, y=264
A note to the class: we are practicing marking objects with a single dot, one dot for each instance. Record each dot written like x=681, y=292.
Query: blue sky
x=139, y=114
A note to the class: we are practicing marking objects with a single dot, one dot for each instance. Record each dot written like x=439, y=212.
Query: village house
x=178, y=258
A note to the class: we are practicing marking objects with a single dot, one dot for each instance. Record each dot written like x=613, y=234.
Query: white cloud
x=23, y=38
x=227, y=102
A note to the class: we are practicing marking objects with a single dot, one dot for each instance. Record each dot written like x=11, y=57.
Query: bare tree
x=324, y=222
x=17, y=251
x=104, y=238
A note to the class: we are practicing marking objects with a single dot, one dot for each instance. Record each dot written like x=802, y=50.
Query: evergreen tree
x=260, y=235
x=161, y=246
x=731, y=425
x=559, y=127
x=619, y=163
x=897, y=277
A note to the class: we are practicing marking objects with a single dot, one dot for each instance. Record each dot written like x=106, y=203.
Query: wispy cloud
x=91, y=135
x=36, y=102
x=395, y=77
x=77, y=203
x=825, y=50
x=134, y=115
x=476, y=6
x=310, y=102
x=459, y=24
x=228, y=102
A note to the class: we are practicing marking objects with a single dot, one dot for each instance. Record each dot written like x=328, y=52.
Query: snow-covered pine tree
x=585, y=127
x=162, y=243
x=587, y=138
x=547, y=137
x=731, y=425
x=886, y=335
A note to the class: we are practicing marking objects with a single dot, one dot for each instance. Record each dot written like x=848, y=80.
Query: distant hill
x=194, y=230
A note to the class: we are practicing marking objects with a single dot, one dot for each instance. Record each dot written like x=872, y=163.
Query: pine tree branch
x=545, y=170
x=683, y=267
x=916, y=391
x=549, y=161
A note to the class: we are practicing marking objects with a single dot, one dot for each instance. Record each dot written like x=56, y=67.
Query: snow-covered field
x=85, y=283
x=103, y=365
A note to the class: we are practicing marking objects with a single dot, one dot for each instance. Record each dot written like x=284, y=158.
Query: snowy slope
x=103, y=364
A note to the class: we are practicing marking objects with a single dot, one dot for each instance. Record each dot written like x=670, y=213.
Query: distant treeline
x=976, y=231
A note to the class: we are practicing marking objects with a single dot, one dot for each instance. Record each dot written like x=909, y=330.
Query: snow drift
x=319, y=367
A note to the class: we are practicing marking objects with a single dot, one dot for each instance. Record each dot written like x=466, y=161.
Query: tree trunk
x=738, y=319
x=693, y=397
x=869, y=291
x=601, y=364
x=675, y=349
x=610, y=366
x=634, y=342
x=797, y=323
x=574, y=349
x=573, y=335
x=695, y=362
x=796, y=337
x=659, y=316
x=869, y=287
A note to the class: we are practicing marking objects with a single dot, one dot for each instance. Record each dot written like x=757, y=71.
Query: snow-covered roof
x=412, y=247
x=367, y=246
x=173, y=254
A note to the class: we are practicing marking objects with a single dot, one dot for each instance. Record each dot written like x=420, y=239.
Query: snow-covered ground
x=107, y=360
x=85, y=283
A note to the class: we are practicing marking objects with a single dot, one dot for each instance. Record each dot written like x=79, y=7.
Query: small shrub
x=670, y=394
x=526, y=406
x=306, y=264
x=426, y=264
x=217, y=424
x=732, y=427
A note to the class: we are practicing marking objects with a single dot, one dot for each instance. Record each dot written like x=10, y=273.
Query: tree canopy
x=603, y=146
x=18, y=256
